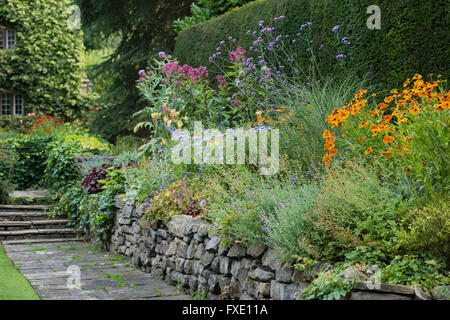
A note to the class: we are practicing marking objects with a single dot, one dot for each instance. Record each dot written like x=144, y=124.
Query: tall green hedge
x=45, y=65
x=413, y=38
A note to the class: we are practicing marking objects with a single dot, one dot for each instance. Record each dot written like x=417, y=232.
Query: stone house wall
x=186, y=251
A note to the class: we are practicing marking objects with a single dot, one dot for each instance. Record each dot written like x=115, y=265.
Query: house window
x=7, y=38
x=6, y=104
x=10, y=39
x=11, y=104
x=18, y=105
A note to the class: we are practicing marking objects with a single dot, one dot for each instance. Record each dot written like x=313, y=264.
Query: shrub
x=61, y=165
x=178, y=198
x=101, y=206
x=355, y=216
x=72, y=201
x=6, y=159
x=329, y=285
x=126, y=144
x=45, y=125
x=92, y=182
x=150, y=176
x=427, y=229
x=16, y=124
x=412, y=269
x=404, y=24
x=205, y=10
x=31, y=153
x=407, y=133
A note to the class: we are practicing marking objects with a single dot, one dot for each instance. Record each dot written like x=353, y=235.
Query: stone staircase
x=33, y=224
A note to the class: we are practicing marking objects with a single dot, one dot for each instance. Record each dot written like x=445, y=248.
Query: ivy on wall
x=45, y=64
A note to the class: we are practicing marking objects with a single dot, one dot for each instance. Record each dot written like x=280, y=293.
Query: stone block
x=271, y=259
x=177, y=224
x=213, y=244
x=284, y=274
x=236, y=251
x=262, y=274
x=256, y=250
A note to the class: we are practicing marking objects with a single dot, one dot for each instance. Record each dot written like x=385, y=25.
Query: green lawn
x=13, y=286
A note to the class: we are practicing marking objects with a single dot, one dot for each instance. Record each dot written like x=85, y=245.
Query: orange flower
x=333, y=152
x=327, y=134
x=408, y=138
x=388, y=153
x=364, y=124
x=405, y=84
x=414, y=110
x=362, y=139
x=388, y=139
x=388, y=99
x=369, y=150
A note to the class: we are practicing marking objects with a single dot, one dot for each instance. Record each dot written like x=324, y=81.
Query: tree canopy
x=143, y=28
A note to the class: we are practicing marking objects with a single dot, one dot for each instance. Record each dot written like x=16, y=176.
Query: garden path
x=51, y=268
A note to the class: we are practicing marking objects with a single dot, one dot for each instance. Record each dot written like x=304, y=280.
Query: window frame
x=5, y=32
x=13, y=96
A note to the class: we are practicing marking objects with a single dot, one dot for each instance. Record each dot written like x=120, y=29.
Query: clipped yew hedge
x=414, y=35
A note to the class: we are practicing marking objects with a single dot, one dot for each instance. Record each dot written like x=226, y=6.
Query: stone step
x=43, y=240
x=27, y=215
x=19, y=207
x=33, y=224
x=37, y=234
x=34, y=194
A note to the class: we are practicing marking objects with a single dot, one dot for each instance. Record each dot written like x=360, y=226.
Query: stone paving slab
x=104, y=276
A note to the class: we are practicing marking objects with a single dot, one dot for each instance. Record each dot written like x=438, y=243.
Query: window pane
x=11, y=39
x=18, y=105
x=1, y=38
x=6, y=104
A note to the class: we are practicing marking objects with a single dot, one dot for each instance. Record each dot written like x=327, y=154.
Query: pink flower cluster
x=173, y=69
x=237, y=55
x=221, y=81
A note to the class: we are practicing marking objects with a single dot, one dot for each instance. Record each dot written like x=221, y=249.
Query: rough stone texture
x=177, y=224
x=256, y=250
x=271, y=259
x=261, y=274
x=224, y=265
x=213, y=244
x=420, y=294
x=236, y=251
x=284, y=274
x=282, y=291
x=391, y=288
x=207, y=259
x=366, y=295
x=189, y=252
x=441, y=293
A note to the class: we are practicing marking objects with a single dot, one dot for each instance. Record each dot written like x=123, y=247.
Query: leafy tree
x=44, y=66
x=143, y=28
x=204, y=10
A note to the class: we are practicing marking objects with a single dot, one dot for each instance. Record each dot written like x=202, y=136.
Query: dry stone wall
x=187, y=251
